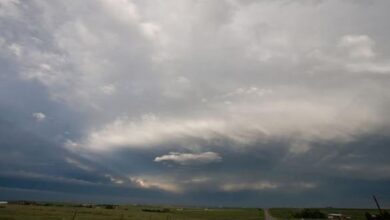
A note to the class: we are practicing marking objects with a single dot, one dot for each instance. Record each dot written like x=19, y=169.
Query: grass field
x=66, y=212
x=355, y=214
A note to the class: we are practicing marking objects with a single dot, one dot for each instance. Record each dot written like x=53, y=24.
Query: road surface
x=267, y=216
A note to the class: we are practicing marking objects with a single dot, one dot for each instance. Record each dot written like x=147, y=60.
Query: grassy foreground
x=66, y=212
x=355, y=214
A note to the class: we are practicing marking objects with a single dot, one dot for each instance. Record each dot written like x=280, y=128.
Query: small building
x=3, y=202
x=87, y=205
x=338, y=216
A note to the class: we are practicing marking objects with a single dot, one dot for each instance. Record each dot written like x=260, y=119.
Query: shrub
x=156, y=210
x=309, y=213
x=109, y=206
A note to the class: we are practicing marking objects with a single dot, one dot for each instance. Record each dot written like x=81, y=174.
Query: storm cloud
x=244, y=103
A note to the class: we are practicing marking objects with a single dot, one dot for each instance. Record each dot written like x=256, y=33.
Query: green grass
x=37, y=212
x=355, y=214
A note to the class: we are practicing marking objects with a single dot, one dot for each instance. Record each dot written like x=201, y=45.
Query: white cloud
x=114, y=179
x=9, y=8
x=268, y=185
x=108, y=89
x=358, y=46
x=370, y=67
x=149, y=131
x=123, y=10
x=78, y=164
x=299, y=121
x=197, y=180
x=39, y=116
x=151, y=30
x=256, y=186
x=154, y=182
x=190, y=158
x=253, y=90
x=16, y=49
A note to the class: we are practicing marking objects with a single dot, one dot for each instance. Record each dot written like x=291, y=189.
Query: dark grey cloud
x=220, y=102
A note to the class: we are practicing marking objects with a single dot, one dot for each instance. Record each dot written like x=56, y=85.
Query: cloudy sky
x=236, y=102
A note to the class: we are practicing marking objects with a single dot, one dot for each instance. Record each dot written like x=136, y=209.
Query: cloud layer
x=199, y=102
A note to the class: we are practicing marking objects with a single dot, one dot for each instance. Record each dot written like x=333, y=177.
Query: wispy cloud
x=190, y=158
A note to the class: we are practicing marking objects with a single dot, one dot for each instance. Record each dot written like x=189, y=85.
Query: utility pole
x=377, y=204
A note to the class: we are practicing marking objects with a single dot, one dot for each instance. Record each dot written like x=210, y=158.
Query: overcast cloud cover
x=242, y=103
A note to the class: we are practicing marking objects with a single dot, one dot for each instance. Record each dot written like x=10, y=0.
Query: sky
x=214, y=103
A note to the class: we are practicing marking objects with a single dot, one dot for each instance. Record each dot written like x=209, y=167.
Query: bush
x=156, y=210
x=109, y=206
x=384, y=216
x=309, y=213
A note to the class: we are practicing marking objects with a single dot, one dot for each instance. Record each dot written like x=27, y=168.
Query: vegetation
x=61, y=211
x=355, y=214
x=156, y=210
x=309, y=213
x=385, y=215
x=123, y=212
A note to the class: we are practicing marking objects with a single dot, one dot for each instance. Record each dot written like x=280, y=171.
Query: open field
x=106, y=212
x=355, y=214
x=66, y=212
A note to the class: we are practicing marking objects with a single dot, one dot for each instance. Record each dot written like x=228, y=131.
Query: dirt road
x=268, y=216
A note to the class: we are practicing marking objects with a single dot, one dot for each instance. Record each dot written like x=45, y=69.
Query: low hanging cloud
x=243, y=123
x=153, y=182
x=39, y=116
x=190, y=158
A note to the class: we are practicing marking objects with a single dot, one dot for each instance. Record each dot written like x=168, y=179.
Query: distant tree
x=385, y=215
x=156, y=210
x=309, y=213
x=109, y=206
x=368, y=216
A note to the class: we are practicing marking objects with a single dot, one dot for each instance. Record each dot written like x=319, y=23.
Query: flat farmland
x=67, y=212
